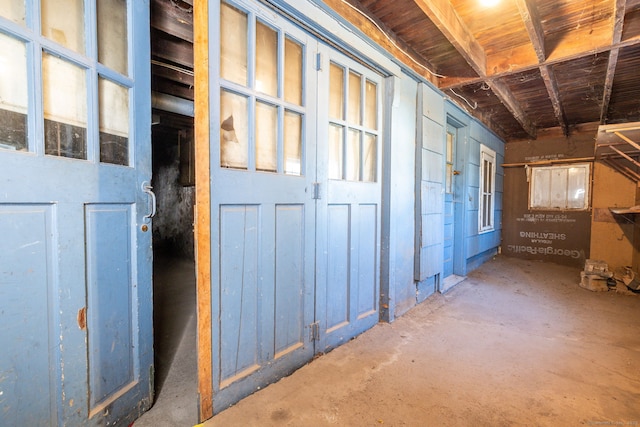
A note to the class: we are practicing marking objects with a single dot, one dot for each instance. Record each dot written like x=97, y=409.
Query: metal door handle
x=147, y=188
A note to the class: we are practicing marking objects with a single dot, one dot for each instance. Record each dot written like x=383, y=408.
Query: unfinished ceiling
x=521, y=66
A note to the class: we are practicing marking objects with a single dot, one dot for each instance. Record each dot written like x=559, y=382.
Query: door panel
x=262, y=206
x=75, y=262
x=26, y=280
x=295, y=200
x=348, y=224
x=449, y=203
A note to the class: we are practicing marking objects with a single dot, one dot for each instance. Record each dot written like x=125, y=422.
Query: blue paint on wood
x=27, y=360
x=109, y=299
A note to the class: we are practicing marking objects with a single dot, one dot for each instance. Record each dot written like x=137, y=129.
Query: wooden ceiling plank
x=531, y=20
x=445, y=18
x=506, y=97
x=177, y=51
x=618, y=24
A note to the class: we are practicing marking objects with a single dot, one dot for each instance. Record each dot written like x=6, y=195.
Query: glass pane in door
x=336, y=92
x=112, y=34
x=369, y=153
x=234, y=130
x=114, y=122
x=353, y=155
x=266, y=137
x=336, y=138
x=63, y=22
x=292, y=143
x=292, y=72
x=266, y=60
x=13, y=94
x=64, y=93
x=13, y=10
x=233, y=44
x=371, y=106
x=354, y=98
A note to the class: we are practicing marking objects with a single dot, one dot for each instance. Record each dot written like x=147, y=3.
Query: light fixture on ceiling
x=489, y=3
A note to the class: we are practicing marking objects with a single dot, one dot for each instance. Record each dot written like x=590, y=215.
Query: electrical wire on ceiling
x=393, y=42
x=473, y=107
x=173, y=67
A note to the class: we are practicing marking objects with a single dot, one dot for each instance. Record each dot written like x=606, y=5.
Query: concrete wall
x=173, y=223
x=558, y=236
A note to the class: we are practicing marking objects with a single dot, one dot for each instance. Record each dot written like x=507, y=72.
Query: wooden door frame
x=202, y=216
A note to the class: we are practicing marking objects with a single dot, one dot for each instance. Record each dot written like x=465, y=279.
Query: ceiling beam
x=458, y=82
x=445, y=18
x=618, y=24
x=552, y=88
x=531, y=20
x=506, y=97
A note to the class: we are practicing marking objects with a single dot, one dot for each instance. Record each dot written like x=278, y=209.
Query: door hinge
x=318, y=61
x=314, y=332
x=316, y=190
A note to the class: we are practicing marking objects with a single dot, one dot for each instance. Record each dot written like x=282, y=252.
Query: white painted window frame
x=553, y=188
x=487, y=156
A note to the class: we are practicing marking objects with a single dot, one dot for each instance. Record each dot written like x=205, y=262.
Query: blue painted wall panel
x=432, y=136
x=432, y=104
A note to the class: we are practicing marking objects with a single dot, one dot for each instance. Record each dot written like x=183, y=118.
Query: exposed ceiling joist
x=506, y=97
x=552, y=88
x=445, y=18
x=531, y=20
x=618, y=24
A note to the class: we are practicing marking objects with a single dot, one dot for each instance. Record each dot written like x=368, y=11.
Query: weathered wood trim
x=203, y=208
x=375, y=29
x=173, y=20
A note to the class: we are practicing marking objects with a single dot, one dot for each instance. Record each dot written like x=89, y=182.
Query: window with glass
x=562, y=187
x=65, y=88
x=449, y=172
x=487, y=188
x=353, y=125
x=262, y=113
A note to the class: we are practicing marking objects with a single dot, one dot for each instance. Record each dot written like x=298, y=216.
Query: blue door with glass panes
x=75, y=207
x=295, y=199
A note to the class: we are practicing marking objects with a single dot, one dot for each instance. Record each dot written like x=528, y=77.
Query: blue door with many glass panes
x=295, y=199
x=75, y=246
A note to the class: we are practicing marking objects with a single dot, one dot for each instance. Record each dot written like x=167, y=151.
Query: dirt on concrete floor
x=517, y=343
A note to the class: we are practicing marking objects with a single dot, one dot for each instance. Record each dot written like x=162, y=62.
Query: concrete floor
x=516, y=343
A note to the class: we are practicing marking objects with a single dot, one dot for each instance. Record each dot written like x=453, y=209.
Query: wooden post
x=203, y=206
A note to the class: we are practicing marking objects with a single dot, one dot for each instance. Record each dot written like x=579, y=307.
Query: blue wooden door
x=349, y=174
x=262, y=200
x=449, y=202
x=75, y=252
x=295, y=199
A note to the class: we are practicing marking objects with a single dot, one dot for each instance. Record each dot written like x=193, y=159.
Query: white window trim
x=556, y=173
x=487, y=153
